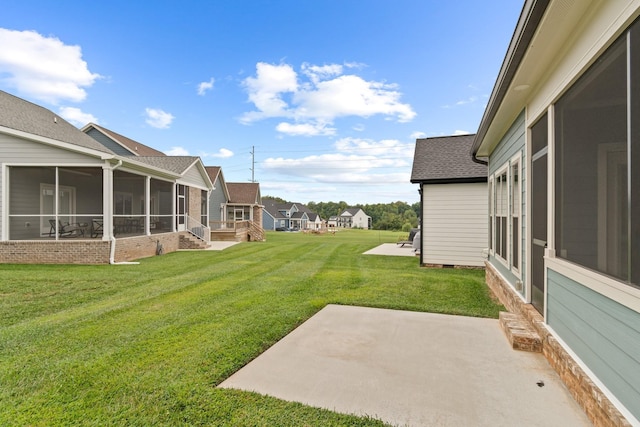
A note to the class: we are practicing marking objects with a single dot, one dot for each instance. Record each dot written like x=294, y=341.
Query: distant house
x=453, y=202
x=69, y=198
x=245, y=205
x=561, y=137
x=289, y=216
x=354, y=218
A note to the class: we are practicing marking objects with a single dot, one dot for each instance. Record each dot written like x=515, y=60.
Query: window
x=491, y=215
x=501, y=216
x=597, y=213
x=515, y=213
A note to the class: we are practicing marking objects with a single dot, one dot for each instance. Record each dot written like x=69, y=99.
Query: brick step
x=520, y=333
x=191, y=242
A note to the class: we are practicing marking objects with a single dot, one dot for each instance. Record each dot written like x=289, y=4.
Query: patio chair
x=96, y=227
x=65, y=230
x=409, y=241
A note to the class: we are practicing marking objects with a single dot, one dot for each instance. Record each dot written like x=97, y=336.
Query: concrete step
x=520, y=333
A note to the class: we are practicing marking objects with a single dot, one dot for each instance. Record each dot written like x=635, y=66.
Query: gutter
x=112, y=250
x=530, y=18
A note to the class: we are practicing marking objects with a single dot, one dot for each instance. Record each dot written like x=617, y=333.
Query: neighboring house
x=315, y=222
x=354, y=218
x=289, y=216
x=118, y=206
x=332, y=222
x=562, y=140
x=219, y=195
x=245, y=204
x=453, y=191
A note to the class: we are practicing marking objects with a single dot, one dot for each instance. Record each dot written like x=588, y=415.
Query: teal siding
x=511, y=144
x=268, y=222
x=216, y=200
x=603, y=333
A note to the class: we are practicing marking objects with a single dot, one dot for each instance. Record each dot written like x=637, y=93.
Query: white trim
x=515, y=269
x=611, y=288
x=55, y=143
x=5, y=197
x=594, y=378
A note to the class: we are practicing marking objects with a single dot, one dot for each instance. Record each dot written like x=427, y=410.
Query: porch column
x=147, y=206
x=107, y=202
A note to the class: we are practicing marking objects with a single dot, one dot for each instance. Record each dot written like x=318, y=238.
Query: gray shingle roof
x=175, y=164
x=18, y=114
x=446, y=159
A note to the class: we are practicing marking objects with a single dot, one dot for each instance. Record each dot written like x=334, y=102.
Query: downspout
x=112, y=239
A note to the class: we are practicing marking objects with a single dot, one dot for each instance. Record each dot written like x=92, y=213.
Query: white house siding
x=194, y=178
x=18, y=151
x=454, y=224
x=360, y=220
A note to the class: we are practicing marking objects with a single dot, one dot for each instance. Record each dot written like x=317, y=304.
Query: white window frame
x=504, y=204
x=515, y=188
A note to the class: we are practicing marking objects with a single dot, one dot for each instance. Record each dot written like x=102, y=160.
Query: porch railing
x=198, y=229
x=228, y=225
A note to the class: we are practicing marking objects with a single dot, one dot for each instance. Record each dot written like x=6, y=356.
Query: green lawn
x=143, y=345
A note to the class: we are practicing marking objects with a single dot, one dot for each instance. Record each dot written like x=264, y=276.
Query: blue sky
x=330, y=95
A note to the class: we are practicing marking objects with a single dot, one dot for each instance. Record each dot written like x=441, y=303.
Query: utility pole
x=253, y=163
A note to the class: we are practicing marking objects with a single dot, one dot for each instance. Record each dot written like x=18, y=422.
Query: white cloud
x=461, y=132
x=305, y=129
x=418, y=135
x=76, y=116
x=355, y=161
x=318, y=96
x=222, y=153
x=177, y=151
x=43, y=67
x=266, y=89
x=203, y=87
x=158, y=118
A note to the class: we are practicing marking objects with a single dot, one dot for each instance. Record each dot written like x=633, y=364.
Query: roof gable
x=21, y=115
x=134, y=147
x=446, y=160
x=245, y=193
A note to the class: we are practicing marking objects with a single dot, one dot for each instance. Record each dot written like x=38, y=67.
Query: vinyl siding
x=454, y=223
x=194, y=178
x=268, y=223
x=109, y=143
x=513, y=143
x=603, y=333
x=216, y=200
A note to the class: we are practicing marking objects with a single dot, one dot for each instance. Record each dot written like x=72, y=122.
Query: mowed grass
x=146, y=345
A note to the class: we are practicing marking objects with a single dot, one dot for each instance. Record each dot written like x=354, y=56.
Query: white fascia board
x=55, y=143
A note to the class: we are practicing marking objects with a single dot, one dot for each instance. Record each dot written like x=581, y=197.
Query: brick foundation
x=131, y=248
x=596, y=405
x=84, y=251
x=55, y=252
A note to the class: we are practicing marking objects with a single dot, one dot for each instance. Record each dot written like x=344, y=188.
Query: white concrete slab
x=411, y=369
x=392, y=249
x=220, y=246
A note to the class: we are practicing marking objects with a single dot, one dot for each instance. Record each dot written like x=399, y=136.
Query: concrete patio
x=411, y=369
